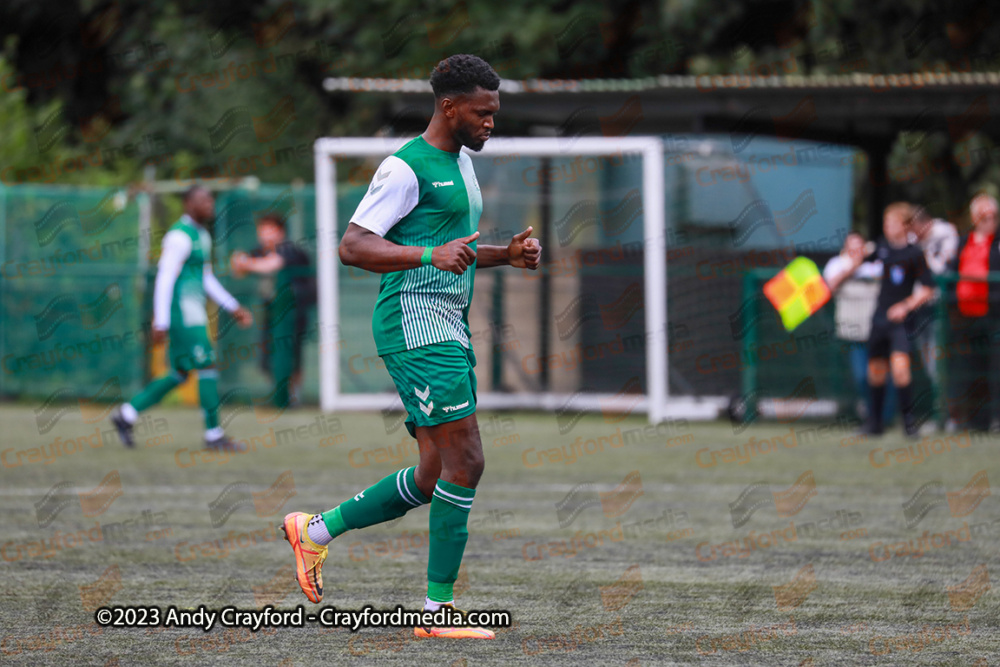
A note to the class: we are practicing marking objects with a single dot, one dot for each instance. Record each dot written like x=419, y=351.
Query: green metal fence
x=71, y=287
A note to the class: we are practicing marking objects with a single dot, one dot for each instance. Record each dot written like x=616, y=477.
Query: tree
x=236, y=88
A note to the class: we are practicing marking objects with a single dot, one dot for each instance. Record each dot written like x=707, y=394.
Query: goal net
x=586, y=332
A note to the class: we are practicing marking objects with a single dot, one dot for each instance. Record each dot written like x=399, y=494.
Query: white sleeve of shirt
x=869, y=270
x=946, y=246
x=838, y=264
x=176, y=248
x=393, y=193
x=216, y=292
x=834, y=268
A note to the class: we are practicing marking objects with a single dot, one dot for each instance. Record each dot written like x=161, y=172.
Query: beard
x=467, y=139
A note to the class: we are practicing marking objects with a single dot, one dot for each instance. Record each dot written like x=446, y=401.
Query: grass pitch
x=783, y=544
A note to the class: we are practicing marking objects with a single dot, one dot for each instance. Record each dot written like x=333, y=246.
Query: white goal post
x=657, y=403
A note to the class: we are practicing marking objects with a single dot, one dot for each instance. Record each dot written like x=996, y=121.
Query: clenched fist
x=524, y=252
x=455, y=256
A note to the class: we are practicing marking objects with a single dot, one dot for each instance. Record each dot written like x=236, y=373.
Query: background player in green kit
x=183, y=278
x=417, y=226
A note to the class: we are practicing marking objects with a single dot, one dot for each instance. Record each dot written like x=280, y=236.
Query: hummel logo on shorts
x=452, y=408
x=422, y=395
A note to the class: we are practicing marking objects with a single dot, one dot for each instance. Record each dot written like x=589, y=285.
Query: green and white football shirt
x=184, y=276
x=422, y=196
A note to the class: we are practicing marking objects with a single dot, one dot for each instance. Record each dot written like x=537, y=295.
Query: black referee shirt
x=902, y=268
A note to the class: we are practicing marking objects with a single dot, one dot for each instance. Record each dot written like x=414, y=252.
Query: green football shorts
x=435, y=382
x=190, y=348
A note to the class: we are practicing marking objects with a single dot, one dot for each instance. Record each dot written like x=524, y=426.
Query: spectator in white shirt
x=939, y=240
x=854, y=302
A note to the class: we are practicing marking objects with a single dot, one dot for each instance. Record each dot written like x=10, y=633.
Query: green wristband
x=425, y=258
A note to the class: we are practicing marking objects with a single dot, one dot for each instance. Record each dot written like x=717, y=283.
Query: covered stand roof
x=860, y=109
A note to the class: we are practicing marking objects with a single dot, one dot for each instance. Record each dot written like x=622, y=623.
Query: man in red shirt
x=978, y=304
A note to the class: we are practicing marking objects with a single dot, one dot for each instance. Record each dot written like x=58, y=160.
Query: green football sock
x=390, y=498
x=154, y=392
x=449, y=518
x=208, y=396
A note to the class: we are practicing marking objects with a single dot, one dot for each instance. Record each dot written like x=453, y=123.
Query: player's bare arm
x=369, y=251
x=221, y=296
x=522, y=252
x=243, y=316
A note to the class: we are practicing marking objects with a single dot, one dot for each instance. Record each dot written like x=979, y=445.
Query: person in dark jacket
x=287, y=289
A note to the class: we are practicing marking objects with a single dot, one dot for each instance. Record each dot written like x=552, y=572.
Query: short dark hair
x=191, y=191
x=275, y=219
x=463, y=73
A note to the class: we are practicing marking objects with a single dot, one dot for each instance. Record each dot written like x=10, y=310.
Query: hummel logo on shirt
x=440, y=184
x=380, y=177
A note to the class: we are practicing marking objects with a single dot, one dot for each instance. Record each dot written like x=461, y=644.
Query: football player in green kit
x=417, y=227
x=184, y=278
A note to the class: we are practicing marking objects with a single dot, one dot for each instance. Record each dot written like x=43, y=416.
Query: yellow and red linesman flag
x=797, y=292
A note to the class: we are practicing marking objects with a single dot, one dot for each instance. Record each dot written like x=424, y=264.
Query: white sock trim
x=129, y=414
x=400, y=484
x=318, y=532
x=457, y=501
x=437, y=487
x=431, y=605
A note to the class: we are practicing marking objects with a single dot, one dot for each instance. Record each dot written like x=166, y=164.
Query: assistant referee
x=906, y=285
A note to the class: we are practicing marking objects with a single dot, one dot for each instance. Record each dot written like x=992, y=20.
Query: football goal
x=588, y=331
